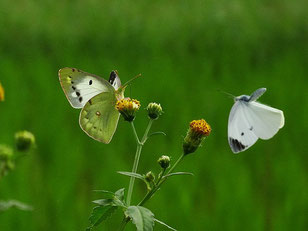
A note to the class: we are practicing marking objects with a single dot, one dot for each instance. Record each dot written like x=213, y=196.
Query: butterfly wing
x=80, y=86
x=99, y=117
x=266, y=120
x=240, y=135
x=114, y=80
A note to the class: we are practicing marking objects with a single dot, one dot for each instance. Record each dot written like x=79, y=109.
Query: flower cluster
x=24, y=141
x=198, y=130
x=128, y=108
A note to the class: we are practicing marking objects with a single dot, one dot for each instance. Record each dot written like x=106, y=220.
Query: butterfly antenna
x=131, y=80
x=227, y=93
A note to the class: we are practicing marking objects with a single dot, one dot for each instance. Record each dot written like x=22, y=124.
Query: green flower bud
x=6, y=153
x=128, y=108
x=164, y=162
x=24, y=140
x=154, y=110
x=149, y=177
x=198, y=130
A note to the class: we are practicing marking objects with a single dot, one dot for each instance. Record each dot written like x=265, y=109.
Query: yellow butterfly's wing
x=99, y=117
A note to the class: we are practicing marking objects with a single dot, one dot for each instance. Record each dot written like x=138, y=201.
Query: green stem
x=137, y=157
x=160, y=182
x=132, y=179
x=145, y=136
x=135, y=132
x=123, y=224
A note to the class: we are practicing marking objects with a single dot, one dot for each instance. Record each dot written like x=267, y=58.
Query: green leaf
x=118, y=198
x=99, y=214
x=5, y=205
x=120, y=194
x=132, y=174
x=103, y=202
x=164, y=224
x=104, y=192
x=178, y=173
x=156, y=133
x=142, y=217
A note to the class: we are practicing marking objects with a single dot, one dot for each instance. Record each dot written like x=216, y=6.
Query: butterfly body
x=97, y=97
x=250, y=120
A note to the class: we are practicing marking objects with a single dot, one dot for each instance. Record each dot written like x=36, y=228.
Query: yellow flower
x=1, y=93
x=200, y=127
x=198, y=130
x=128, y=108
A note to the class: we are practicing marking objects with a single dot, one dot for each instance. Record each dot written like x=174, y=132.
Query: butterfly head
x=244, y=98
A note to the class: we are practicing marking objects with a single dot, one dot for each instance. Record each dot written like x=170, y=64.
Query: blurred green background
x=186, y=51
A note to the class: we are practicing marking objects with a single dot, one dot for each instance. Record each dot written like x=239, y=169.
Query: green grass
x=186, y=51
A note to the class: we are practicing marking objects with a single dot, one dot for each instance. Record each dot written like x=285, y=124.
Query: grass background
x=186, y=51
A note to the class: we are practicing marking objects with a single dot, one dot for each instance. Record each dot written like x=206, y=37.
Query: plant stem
x=132, y=179
x=123, y=224
x=145, y=136
x=160, y=182
x=137, y=157
x=135, y=132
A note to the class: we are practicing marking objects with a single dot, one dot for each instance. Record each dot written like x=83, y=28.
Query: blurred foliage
x=186, y=51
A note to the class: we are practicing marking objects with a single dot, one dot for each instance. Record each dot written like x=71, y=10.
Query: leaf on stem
x=157, y=133
x=104, y=192
x=99, y=214
x=164, y=224
x=132, y=174
x=120, y=194
x=103, y=202
x=142, y=217
x=178, y=173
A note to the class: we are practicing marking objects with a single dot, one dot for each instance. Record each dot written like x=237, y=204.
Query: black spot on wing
x=242, y=133
x=251, y=128
x=77, y=93
x=236, y=145
x=90, y=82
x=74, y=88
x=112, y=77
x=80, y=99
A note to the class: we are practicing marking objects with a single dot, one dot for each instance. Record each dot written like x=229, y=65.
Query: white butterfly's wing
x=240, y=133
x=265, y=120
x=257, y=94
x=79, y=86
x=114, y=80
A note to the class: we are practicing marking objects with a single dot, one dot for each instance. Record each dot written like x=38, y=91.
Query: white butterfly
x=250, y=120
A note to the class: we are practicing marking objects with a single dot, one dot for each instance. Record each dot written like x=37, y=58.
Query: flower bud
x=164, y=162
x=6, y=153
x=24, y=140
x=1, y=93
x=128, y=108
x=154, y=110
x=149, y=177
x=198, y=130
